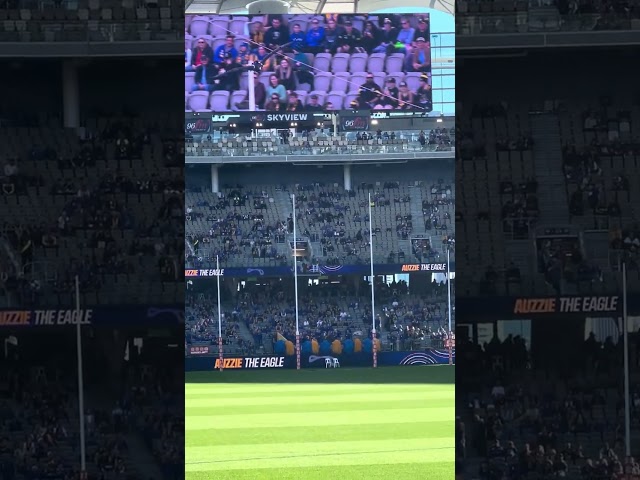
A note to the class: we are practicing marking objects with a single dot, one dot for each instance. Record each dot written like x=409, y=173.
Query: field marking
x=320, y=399
x=307, y=459
x=269, y=420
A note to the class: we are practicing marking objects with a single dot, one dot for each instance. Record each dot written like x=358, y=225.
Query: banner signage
x=268, y=119
x=199, y=350
x=355, y=123
x=591, y=304
x=101, y=316
x=482, y=309
x=381, y=269
x=250, y=363
x=198, y=125
x=345, y=116
x=425, y=267
x=428, y=357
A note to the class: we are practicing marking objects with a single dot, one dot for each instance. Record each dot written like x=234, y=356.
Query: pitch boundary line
x=210, y=462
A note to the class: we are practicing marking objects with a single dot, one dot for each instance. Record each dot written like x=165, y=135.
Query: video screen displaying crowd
x=310, y=63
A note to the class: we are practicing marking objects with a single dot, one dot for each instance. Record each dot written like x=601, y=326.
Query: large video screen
x=307, y=63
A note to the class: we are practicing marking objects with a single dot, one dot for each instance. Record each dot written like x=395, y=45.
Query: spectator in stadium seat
x=244, y=55
x=259, y=92
x=203, y=78
x=388, y=37
x=187, y=60
x=313, y=104
x=274, y=104
x=349, y=40
x=331, y=35
x=329, y=107
x=257, y=33
x=421, y=56
x=315, y=37
x=422, y=30
x=370, y=93
x=230, y=82
x=301, y=68
x=405, y=97
x=294, y=104
x=370, y=37
x=391, y=93
x=405, y=36
x=276, y=87
x=424, y=94
x=260, y=55
x=202, y=48
x=285, y=75
x=297, y=37
x=277, y=35
x=228, y=48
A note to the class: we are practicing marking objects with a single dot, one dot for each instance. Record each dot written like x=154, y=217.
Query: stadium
x=91, y=281
x=319, y=244
x=547, y=214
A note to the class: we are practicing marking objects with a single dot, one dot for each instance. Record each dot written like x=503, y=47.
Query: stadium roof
x=231, y=7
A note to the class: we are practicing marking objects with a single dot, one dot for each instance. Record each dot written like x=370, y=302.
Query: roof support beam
x=321, y=6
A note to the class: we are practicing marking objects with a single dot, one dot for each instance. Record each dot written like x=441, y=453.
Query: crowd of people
x=543, y=404
x=522, y=418
x=108, y=207
x=39, y=431
x=281, y=48
x=551, y=15
x=334, y=218
x=258, y=316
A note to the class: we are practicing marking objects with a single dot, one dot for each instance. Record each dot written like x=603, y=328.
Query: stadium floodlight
x=295, y=279
x=625, y=336
x=373, y=290
x=83, y=457
x=220, y=354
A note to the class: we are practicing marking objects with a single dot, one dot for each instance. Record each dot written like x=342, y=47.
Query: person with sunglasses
x=405, y=36
x=274, y=104
x=201, y=49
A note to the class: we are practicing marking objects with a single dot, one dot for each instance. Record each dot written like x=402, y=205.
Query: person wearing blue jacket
x=226, y=49
x=297, y=37
x=315, y=37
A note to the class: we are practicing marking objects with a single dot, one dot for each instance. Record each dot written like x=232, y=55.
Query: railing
x=404, y=143
x=92, y=31
x=542, y=20
x=41, y=271
x=312, y=150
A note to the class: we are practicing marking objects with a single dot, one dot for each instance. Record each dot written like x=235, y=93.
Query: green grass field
x=349, y=424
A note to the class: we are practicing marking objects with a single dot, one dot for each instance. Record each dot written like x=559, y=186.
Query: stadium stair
x=405, y=246
x=547, y=152
x=145, y=462
x=416, y=212
x=519, y=251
